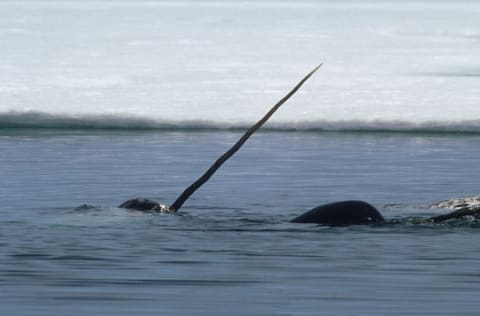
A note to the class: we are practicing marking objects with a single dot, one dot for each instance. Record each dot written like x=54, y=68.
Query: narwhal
x=143, y=204
x=341, y=213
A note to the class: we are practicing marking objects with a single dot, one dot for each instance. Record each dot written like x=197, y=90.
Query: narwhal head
x=143, y=204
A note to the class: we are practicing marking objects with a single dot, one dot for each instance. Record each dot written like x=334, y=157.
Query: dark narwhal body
x=342, y=214
x=347, y=213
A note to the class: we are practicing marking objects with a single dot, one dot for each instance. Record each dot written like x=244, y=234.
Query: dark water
x=231, y=250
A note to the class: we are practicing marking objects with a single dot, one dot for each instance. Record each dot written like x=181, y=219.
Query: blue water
x=231, y=249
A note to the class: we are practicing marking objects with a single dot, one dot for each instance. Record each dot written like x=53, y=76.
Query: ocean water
x=102, y=101
x=231, y=249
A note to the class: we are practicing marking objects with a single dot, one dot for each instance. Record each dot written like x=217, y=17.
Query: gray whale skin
x=342, y=213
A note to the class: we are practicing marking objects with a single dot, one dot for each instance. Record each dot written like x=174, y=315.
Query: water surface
x=231, y=248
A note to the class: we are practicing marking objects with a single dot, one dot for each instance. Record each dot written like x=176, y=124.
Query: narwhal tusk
x=219, y=162
x=142, y=204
